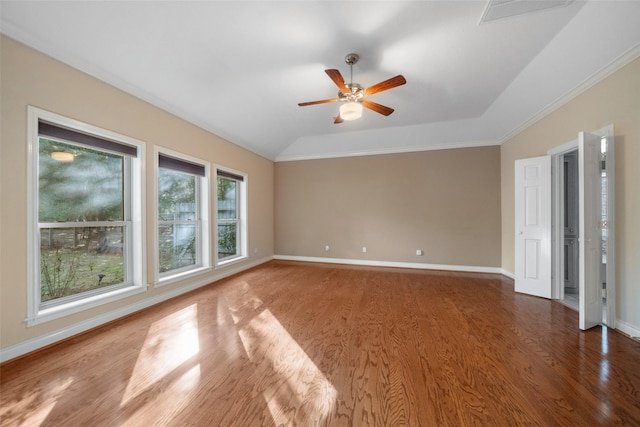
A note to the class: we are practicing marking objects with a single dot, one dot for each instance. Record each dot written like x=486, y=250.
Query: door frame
x=557, y=213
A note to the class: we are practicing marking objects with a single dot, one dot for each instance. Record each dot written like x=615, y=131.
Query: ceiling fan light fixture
x=351, y=111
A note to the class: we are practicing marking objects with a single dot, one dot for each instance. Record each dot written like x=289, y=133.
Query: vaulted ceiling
x=240, y=68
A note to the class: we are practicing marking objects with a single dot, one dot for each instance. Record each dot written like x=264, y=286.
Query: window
x=85, y=235
x=182, y=211
x=231, y=216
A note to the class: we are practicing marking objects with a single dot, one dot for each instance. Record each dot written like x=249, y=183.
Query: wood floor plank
x=297, y=344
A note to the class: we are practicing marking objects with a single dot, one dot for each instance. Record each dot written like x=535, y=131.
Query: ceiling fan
x=353, y=95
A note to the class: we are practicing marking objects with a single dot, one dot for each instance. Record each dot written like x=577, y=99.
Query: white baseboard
x=509, y=274
x=627, y=328
x=422, y=266
x=44, y=340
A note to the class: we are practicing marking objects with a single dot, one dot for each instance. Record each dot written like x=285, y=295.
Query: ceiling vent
x=500, y=9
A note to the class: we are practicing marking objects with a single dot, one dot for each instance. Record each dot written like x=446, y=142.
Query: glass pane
x=176, y=195
x=227, y=196
x=177, y=246
x=227, y=238
x=79, y=184
x=79, y=259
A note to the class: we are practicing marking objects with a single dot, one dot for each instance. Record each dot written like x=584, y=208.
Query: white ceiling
x=239, y=68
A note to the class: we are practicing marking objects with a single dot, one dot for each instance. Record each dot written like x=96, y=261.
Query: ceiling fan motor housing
x=356, y=95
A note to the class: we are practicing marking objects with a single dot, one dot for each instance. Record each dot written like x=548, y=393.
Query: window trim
x=203, y=263
x=243, y=201
x=134, y=195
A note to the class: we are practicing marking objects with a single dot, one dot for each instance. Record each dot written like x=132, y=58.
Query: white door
x=533, y=226
x=590, y=207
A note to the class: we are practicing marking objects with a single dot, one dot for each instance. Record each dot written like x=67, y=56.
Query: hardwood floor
x=317, y=344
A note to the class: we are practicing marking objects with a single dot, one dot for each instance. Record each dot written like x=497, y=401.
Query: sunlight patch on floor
x=170, y=342
x=165, y=407
x=33, y=410
x=294, y=388
x=226, y=338
x=242, y=302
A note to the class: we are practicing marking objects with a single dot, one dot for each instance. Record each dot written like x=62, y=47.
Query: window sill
x=168, y=280
x=62, y=310
x=231, y=261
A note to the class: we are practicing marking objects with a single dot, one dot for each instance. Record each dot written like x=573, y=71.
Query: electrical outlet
x=364, y=249
x=419, y=252
x=326, y=248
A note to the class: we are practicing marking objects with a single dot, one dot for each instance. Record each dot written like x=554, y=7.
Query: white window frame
x=135, y=234
x=203, y=242
x=242, y=221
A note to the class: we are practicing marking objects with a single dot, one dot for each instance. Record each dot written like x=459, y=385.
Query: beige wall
x=30, y=78
x=445, y=202
x=456, y=205
x=615, y=100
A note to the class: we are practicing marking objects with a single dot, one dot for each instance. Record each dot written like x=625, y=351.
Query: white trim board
x=631, y=330
x=509, y=274
x=372, y=263
x=36, y=343
x=385, y=151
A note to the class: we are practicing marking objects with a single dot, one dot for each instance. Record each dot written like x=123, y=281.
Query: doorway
x=569, y=294
x=566, y=217
x=544, y=259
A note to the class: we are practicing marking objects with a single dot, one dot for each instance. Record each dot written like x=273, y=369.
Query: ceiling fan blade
x=378, y=108
x=338, y=120
x=324, y=101
x=398, y=80
x=338, y=80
